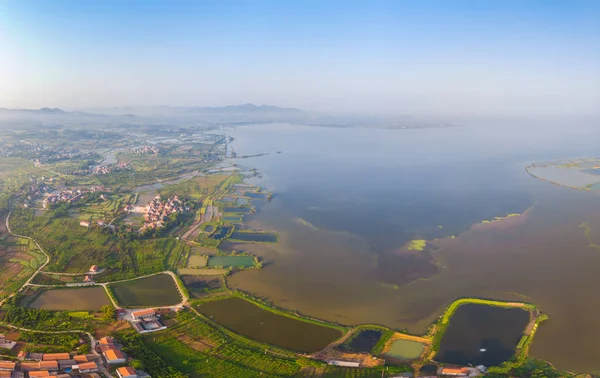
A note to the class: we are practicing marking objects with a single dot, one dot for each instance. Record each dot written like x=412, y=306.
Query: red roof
x=126, y=371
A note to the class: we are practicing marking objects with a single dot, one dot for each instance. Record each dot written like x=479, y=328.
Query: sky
x=448, y=57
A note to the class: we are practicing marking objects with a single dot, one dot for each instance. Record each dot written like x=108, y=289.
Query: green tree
x=109, y=313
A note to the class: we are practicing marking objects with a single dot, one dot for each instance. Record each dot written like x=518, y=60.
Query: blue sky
x=421, y=57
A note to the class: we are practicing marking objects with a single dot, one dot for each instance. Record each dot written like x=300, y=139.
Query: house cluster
x=70, y=195
x=50, y=155
x=145, y=321
x=100, y=169
x=60, y=365
x=147, y=150
x=158, y=211
x=111, y=352
x=99, y=222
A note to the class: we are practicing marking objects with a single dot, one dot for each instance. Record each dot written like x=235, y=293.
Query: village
x=157, y=211
x=106, y=355
x=147, y=150
x=70, y=195
x=100, y=169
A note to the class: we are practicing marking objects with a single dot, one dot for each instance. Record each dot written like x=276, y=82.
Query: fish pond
x=405, y=350
x=158, y=290
x=363, y=342
x=250, y=320
x=231, y=261
x=83, y=298
x=221, y=232
x=236, y=210
x=482, y=335
x=261, y=237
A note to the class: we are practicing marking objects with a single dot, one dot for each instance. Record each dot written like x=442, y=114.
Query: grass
x=158, y=290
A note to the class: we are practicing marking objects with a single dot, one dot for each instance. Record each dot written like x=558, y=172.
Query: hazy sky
x=420, y=57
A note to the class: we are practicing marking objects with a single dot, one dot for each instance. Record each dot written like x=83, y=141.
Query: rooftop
x=126, y=371
x=41, y=373
x=113, y=354
x=56, y=356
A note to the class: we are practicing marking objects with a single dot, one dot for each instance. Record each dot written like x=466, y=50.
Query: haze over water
x=363, y=193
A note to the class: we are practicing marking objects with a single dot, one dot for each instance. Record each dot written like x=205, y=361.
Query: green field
x=158, y=290
x=231, y=262
x=74, y=248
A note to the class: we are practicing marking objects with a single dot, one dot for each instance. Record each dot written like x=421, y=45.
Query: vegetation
x=50, y=343
x=44, y=320
x=417, y=245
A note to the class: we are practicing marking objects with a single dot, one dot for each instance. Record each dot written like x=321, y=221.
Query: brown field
x=82, y=298
x=196, y=261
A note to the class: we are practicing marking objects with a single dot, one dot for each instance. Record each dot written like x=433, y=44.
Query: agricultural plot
x=226, y=262
x=19, y=259
x=74, y=248
x=158, y=290
x=199, y=349
x=83, y=299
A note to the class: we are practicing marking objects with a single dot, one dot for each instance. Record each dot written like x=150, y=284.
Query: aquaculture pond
x=221, y=232
x=263, y=237
x=405, y=350
x=482, y=335
x=255, y=195
x=83, y=298
x=236, y=210
x=231, y=261
x=158, y=290
x=254, y=322
x=232, y=218
x=363, y=342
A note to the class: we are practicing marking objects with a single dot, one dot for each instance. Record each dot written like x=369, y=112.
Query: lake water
x=347, y=200
x=482, y=335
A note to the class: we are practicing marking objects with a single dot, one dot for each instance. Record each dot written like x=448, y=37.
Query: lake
x=347, y=200
x=482, y=335
x=231, y=261
x=252, y=321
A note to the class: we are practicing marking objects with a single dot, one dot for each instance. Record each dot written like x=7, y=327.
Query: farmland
x=84, y=298
x=199, y=349
x=19, y=258
x=74, y=248
x=158, y=290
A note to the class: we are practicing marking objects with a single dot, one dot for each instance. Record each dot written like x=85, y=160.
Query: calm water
x=347, y=200
x=363, y=342
x=482, y=335
x=250, y=320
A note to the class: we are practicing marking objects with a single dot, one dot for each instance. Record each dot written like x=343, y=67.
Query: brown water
x=363, y=206
x=250, y=320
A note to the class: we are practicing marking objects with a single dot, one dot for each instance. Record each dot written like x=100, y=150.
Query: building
x=66, y=364
x=455, y=372
x=114, y=356
x=80, y=358
x=7, y=366
x=141, y=314
x=49, y=365
x=94, y=269
x=27, y=366
x=86, y=367
x=6, y=374
x=344, y=363
x=7, y=344
x=107, y=340
x=126, y=372
x=41, y=373
x=84, y=224
x=55, y=356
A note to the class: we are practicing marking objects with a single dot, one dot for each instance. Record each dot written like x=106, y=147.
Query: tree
x=109, y=313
